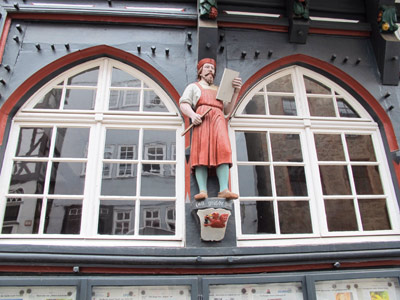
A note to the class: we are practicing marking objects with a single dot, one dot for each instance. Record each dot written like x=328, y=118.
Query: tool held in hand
x=191, y=125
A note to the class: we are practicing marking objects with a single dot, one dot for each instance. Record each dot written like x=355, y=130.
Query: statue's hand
x=196, y=119
x=237, y=83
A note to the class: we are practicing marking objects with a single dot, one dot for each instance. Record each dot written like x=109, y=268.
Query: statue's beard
x=209, y=78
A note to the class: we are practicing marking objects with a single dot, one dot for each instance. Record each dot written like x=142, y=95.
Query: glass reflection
x=85, y=78
x=251, y=146
x=34, y=142
x=121, y=144
x=158, y=180
x=282, y=105
x=283, y=84
x=71, y=142
x=79, y=99
x=63, y=216
x=67, y=178
x=153, y=102
x=367, y=180
x=315, y=87
x=329, y=147
x=157, y=218
x=119, y=179
x=254, y=181
x=28, y=177
x=374, y=214
x=286, y=147
x=51, y=100
x=257, y=217
x=156, y=142
x=290, y=181
x=345, y=110
x=360, y=147
x=22, y=216
x=116, y=217
x=256, y=106
x=335, y=180
x=124, y=100
x=294, y=217
x=122, y=79
x=321, y=107
x=340, y=215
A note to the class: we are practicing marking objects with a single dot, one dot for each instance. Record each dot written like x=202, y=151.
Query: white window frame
x=97, y=120
x=306, y=126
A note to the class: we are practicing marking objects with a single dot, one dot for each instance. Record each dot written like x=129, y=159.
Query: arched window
x=309, y=163
x=95, y=154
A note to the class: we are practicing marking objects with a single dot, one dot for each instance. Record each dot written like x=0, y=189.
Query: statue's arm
x=237, y=84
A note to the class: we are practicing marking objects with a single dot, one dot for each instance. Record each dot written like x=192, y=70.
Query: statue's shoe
x=200, y=196
x=227, y=194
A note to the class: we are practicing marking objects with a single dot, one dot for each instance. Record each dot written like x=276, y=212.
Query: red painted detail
x=356, y=33
x=102, y=19
x=265, y=27
x=4, y=35
x=94, y=52
x=224, y=270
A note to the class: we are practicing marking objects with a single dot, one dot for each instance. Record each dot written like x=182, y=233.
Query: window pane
x=172, y=292
x=290, y=181
x=282, y=105
x=158, y=180
x=123, y=137
x=71, y=142
x=283, y=84
x=374, y=214
x=256, y=106
x=28, y=177
x=22, y=216
x=335, y=180
x=360, y=147
x=321, y=107
x=251, y=146
x=79, y=99
x=119, y=179
x=257, y=217
x=315, y=87
x=116, y=217
x=340, y=215
x=294, y=217
x=51, y=100
x=152, y=102
x=155, y=143
x=345, y=110
x=63, y=216
x=85, y=78
x=121, y=78
x=66, y=178
x=34, y=142
x=286, y=147
x=329, y=147
x=254, y=181
x=153, y=218
x=367, y=180
x=124, y=100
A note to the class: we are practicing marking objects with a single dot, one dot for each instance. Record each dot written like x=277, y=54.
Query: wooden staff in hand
x=191, y=125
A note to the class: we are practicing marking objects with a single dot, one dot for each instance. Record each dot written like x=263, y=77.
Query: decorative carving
x=215, y=220
x=213, y=223
x=208, y=9
x=387, y=19
x=300, y=9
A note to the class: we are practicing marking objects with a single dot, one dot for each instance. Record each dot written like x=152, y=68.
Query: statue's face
x=207, y=73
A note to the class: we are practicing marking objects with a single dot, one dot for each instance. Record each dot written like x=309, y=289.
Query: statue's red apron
x=210, y=140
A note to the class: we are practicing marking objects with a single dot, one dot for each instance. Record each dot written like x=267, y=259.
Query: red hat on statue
x=206, y=61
